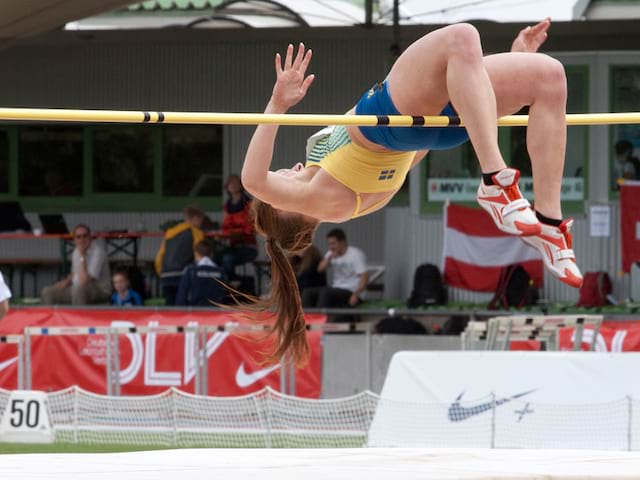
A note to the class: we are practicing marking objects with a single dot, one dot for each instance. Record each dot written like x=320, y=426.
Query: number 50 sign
x=26, y=419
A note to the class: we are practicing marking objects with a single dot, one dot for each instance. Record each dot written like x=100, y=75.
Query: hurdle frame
x=544, y=328
x=18, y=340
x=113, y=335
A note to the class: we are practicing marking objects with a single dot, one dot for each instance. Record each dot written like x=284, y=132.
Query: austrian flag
x=630, y=223
x=475, y=251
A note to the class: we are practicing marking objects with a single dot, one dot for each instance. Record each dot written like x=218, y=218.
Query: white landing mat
x=325, y=464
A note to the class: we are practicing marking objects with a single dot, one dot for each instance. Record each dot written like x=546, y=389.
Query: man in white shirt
x=347, y=266
x=89, y=281
x=5, y=295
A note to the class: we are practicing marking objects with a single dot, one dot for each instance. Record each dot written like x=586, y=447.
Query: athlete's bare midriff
x=341, y=202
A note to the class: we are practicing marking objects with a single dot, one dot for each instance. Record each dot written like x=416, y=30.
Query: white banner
x=465, y=189
x=509, y=400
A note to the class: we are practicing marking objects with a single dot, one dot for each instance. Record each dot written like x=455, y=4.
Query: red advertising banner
x=612, y=337
x=150, y=363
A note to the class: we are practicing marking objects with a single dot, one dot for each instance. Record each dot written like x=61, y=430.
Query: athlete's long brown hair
x=285, y=235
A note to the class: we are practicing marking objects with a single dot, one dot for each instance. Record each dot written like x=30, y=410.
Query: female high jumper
x=353, y=171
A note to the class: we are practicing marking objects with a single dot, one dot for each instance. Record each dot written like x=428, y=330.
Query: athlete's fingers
x=541, y=28
x=299, y=56
x=305, y=61
x=307, y=82
x=278, y=63
x=288, y=61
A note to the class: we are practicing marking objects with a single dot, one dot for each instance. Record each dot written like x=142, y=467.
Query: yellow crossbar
x=123, y=116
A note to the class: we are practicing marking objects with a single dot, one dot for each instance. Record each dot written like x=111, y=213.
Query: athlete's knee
x=552, y=80
x=464, y=40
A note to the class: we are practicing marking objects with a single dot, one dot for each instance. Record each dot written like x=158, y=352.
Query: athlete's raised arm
x=290, y=87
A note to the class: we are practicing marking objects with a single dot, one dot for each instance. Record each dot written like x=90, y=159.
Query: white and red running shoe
x=510, y=211
x=554, y=244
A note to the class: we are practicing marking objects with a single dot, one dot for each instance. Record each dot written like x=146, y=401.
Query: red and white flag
x=475, y=251
x=630, y=223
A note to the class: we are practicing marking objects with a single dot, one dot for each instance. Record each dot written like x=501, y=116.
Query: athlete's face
x=291, y=172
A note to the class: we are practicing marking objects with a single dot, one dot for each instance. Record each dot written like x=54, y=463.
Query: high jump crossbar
x=124, y=116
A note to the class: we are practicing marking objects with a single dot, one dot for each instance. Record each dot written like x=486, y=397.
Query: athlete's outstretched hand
x=291, y=83
x=529, y=39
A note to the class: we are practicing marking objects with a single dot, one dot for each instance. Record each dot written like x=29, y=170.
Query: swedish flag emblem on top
x=386, y=174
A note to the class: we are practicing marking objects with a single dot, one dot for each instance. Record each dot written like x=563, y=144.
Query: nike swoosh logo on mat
x=458, y=413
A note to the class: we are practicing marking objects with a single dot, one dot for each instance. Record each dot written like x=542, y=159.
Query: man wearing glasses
x=89, y=281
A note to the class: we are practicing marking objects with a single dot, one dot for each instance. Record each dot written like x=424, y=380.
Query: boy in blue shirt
x=123, y=294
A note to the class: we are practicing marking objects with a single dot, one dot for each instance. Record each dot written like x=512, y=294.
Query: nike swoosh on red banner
x=244, y=379
x=8, y=363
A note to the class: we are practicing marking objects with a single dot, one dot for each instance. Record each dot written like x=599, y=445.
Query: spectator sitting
x=201, y=282
x=238, y=226
x=89, y=280
x=626, y=166
x=5, y=295
x=124, y=294
x=305, y=266
x=176, y=252
x=348, y=279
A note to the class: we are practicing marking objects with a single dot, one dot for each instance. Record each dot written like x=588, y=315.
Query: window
x=111, y=167
x=192, y=161
x=625, y=139
x=4, y=161
x=454, y=174
x=123, y=159
x=50, y=161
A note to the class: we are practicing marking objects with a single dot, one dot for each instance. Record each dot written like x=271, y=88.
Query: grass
x=111, y=443
x=6, y=448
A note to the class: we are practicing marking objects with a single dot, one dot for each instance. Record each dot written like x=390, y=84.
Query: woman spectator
x=237, y=226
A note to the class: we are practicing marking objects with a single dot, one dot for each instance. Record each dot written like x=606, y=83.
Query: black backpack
x=400, y=325
x=515, y=289
x=428, y=287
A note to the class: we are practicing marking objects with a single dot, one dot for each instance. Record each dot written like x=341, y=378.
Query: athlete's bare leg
x=447, y=65
x=536, y=80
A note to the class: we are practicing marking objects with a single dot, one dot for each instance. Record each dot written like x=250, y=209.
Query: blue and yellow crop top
x=357, y=168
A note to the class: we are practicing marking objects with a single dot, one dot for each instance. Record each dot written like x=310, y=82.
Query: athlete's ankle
x=554, y=222
x=487, y=178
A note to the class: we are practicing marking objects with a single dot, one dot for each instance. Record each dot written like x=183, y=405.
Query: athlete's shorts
x=377, y=101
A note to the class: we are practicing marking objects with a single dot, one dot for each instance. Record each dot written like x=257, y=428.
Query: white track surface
x=325, y=464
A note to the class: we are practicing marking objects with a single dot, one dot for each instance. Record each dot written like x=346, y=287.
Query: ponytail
x=285, y=235
x=289, y=326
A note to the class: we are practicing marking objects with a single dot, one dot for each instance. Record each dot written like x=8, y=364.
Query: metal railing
x=487, y=334
x=198, y=355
